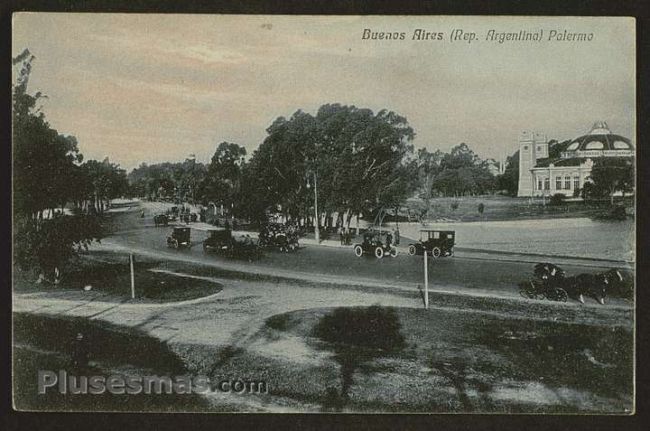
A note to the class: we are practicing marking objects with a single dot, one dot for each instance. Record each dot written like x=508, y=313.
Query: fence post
x=426, y=281
x=132, y=276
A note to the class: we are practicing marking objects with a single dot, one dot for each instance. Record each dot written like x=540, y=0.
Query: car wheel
x=412, y=250
x=379, y=252
x=393, y=252
x=435, y=252
x=358, y=250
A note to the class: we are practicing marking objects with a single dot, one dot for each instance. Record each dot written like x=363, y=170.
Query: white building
x=565, y=167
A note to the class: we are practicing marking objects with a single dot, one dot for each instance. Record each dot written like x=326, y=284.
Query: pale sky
x=156, y=88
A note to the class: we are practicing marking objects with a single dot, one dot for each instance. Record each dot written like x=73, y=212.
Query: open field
x=507, y=208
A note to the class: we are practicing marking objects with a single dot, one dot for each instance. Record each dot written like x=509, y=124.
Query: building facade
x=565, y=167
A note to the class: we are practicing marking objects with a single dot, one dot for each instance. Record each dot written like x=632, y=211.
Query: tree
x=104, y=181
x=45, y=177
x=610, y=175
x=359, y=158
x=222, y=182
x=509, y=180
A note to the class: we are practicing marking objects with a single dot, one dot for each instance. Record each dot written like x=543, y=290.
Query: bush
x=49, y=244
x=557, y=199
x=373, y=327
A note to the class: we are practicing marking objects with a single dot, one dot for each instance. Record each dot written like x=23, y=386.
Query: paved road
x=469, y=270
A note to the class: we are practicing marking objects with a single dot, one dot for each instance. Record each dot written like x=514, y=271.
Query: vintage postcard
x=379, y=214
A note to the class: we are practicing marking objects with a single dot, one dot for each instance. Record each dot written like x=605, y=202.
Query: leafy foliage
x=557, y=199
x=46, y=176
x=610, y=175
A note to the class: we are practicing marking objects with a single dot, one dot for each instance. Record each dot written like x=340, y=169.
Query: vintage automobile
x=180, y=237
x=377, y=243
x=285, y=238
x=436, y=242
x=161, y=220
x=224, y=242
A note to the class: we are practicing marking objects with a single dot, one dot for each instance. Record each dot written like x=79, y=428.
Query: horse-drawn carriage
x=377, y=243
x=285, y=238
x=551, y=282
x=180, y=237
x=438, y=243
x=222, y=241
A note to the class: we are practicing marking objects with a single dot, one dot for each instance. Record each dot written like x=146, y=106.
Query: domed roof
x=600, y=138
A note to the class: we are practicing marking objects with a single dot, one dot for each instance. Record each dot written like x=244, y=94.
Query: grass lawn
x=506, y=208
x=108, y=274
x=451, y=362
x=46, y=343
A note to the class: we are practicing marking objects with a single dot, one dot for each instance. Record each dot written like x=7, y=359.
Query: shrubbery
x=557, y=199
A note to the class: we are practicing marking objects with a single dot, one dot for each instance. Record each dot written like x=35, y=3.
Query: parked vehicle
x=180, y=237
x=160, y=219
x=377, y=244
x=438, y=243
x=224, y=242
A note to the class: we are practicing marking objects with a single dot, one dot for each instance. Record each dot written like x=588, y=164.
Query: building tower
x=532, y=146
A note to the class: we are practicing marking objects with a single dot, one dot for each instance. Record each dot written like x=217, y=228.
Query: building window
x=558, y=183
x=594, y=145
x=525, y=147
x=576, y=183
x=539, y=148
x=547, y=183
x=567, y=182
x=539, y=184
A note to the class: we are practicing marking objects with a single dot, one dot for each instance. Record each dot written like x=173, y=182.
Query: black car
x=377, y=244
x=435, y=242
x=222, y=241
x=180, y=237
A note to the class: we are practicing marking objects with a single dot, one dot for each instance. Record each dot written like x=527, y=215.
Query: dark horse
x=592, y=285
x=621, y=282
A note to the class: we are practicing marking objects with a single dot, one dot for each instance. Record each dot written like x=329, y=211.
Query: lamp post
x=316, y=221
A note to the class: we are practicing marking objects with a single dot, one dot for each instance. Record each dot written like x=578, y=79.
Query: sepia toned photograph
x=323, y=214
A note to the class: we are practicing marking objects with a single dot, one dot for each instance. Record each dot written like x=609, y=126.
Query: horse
x=592, y=285
x=621, y=282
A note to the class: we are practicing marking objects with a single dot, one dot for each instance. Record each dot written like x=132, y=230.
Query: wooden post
x=426, y=281
x=132, y=276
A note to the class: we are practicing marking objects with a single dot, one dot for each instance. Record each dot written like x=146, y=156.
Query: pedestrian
x=341, y=235
x=79, y=352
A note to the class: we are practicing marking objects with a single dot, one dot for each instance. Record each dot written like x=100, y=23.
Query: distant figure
x=389, y=239
x=79, y=352
x=342, y=235
x=142, y=213
x=397, y=237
